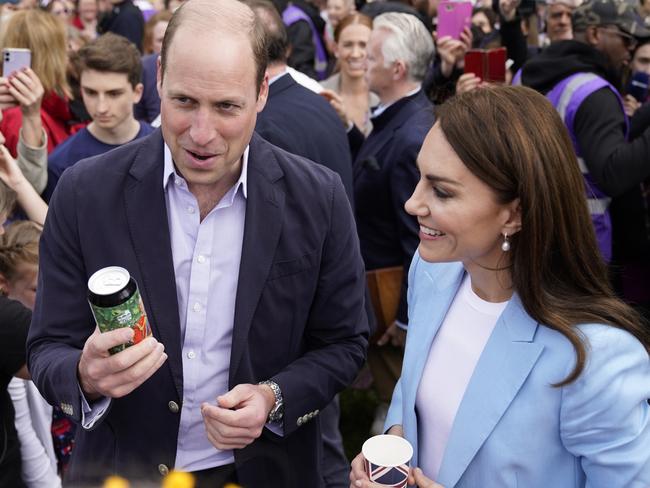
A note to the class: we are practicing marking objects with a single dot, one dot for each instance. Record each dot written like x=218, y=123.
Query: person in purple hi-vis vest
x=581, y=78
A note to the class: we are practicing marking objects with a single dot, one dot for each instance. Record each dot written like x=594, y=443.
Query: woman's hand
x=452, y=51
x=630, y=105
x=28, y=91
x=394, y=335
x=468, y=82
x=508, y=9
x=10, y=172
x=358, y=476
x=416, y=477
x=7, y=100
x=337, y=103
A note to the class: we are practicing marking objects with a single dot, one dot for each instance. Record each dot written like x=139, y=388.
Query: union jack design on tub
x=389, y=476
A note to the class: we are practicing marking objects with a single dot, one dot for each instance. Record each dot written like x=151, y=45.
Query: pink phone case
x=453, y=17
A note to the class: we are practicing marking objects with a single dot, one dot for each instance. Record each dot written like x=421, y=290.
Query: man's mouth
x=200, y=156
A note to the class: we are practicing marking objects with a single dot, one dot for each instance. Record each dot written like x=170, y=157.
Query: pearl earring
x=505, y=245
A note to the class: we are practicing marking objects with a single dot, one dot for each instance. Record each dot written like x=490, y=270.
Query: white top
x=33, y=422
x=454, y=353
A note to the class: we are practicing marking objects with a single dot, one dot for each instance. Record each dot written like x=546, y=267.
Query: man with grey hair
x=248, y=265
x=385, y=174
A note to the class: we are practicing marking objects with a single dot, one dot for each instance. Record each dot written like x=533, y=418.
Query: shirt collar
x=278, y=76
x=169, y=172
x=381, y=108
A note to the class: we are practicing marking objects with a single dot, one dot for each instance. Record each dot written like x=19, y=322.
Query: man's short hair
x=113, y=54
x=277, y=41
x=220, y=14
x=408, y=41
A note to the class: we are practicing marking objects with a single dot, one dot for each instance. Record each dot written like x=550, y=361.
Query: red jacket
x=56, y=118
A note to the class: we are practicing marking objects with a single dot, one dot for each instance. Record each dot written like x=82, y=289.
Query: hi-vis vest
x=566, y=97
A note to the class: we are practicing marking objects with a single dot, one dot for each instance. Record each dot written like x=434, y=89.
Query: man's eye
x=228, y=107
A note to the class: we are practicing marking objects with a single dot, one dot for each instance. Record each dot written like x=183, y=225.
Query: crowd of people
x=309, y=193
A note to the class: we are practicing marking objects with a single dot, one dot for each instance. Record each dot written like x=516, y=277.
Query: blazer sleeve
x=336, y=332
x=395, y=414
x=605, y=416
x=62, y=320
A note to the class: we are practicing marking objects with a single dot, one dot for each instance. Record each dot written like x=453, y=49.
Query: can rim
x=97, y=288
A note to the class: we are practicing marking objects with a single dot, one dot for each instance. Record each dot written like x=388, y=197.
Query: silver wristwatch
x=276, y=413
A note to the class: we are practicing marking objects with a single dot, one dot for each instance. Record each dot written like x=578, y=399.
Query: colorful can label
x=116, y=302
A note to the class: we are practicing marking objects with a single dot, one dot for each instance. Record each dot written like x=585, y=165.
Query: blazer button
x=299, y=421
x=173, y=407
x=163, y=470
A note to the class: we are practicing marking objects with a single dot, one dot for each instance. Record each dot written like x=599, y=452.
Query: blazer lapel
x=281, y=84
x=264, y=207
x=429, y=321
x=384, y=126
x=503, y=367
x=146, y=214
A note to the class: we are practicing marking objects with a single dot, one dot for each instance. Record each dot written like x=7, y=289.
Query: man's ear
x=592, y=35
x=400, y=71
x=4, y=285
x=137, y=92
x=159, y=77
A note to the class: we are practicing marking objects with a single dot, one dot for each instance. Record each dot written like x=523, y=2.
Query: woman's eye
x=441, y=193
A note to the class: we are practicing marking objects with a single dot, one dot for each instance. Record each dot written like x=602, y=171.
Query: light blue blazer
x=512, y=428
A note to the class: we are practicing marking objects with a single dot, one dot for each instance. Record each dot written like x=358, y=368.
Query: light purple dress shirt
x=206, y=265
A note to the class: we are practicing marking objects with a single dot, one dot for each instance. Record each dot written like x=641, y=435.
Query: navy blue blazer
x=385, y=175
x=148, y=107
x=299, y=316
x=304, y=123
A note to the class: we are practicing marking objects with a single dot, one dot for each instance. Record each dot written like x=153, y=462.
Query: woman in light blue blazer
x=521, y=369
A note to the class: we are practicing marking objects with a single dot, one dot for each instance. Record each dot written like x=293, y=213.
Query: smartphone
x=489, y=65
x=15, y=59
x=474, y=62
x=453, y=17
x=638, y=86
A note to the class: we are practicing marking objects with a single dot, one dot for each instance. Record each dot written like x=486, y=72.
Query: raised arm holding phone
x=23, y=88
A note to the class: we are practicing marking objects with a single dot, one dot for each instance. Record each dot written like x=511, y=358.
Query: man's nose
x=202, y=130
x=102, y=104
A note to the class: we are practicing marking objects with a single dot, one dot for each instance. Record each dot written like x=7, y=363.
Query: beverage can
x=116, y=302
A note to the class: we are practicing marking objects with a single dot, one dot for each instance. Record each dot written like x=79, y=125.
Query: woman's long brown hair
x=514, y=141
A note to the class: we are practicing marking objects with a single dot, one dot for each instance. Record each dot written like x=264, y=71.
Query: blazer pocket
x=288, y=267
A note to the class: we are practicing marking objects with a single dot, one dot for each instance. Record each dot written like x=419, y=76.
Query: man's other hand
x=239, y=416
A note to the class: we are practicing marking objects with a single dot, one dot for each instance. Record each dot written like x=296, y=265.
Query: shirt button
x=178, y=182
x=163, y=470
x=191, y=210
x=173, y=407
x=191, y=355
x=201, y=258
x=197, y=307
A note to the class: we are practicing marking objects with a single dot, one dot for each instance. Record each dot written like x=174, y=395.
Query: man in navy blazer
x=148, y=108
x=385, y=172
x=295, y=118
x=296, y=332
x=304, y=123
